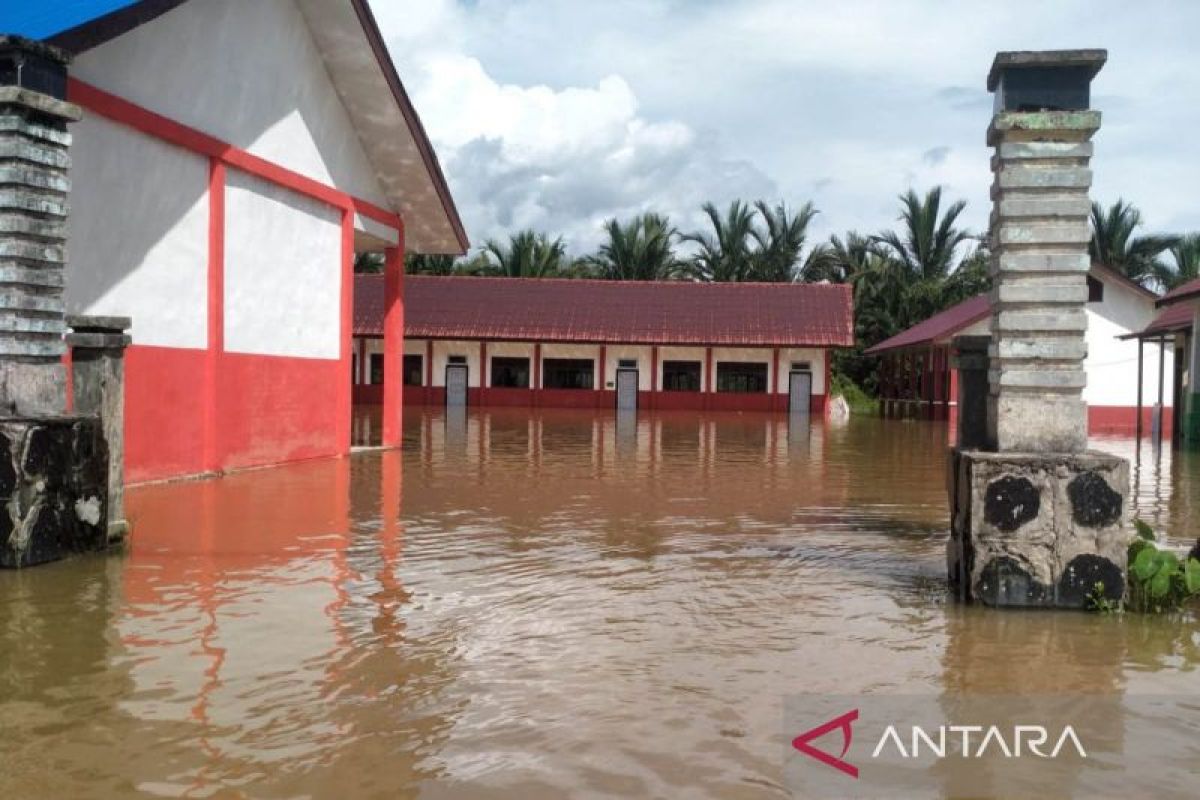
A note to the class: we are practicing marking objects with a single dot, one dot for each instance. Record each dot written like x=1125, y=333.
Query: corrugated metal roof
x=560, y=310
x=41, y=20
x=939, y=326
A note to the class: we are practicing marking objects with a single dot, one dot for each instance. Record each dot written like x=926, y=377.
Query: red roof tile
x=939, y=326
x=1185, y=292
x=561, y=310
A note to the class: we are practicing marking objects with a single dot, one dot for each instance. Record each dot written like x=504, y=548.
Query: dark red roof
x=641, y=312
x=1172, y=318
x=1185, y=292
x=939, y=326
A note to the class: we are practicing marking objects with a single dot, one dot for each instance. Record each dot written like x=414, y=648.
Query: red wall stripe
x=212, y=456
x=345, y=385
x=393, y=344
x=118, y=109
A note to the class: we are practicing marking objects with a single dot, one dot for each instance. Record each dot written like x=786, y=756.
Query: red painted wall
x=1123, y=419
x=164, y=412
x=274, y=409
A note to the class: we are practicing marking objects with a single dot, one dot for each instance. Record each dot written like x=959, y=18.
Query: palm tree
x=368, y=263
x=1114, y=244
x=929, y=242
x=527, y=255
x=420, y=264
x=840, y=260
x=725, y=254
x=1186, y=255
x=639, y=250
x=781, y=243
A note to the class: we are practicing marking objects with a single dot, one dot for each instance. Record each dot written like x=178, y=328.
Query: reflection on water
x=548, y=604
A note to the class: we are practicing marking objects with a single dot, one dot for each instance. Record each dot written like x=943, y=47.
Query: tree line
x=899, y=277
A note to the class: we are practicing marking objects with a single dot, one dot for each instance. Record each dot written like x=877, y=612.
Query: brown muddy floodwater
x=530, y=606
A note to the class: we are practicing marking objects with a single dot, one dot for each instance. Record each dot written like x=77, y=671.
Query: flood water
x=547, y=605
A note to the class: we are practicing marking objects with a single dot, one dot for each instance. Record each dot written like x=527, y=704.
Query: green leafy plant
x=1097, y=600
x=1158, y=579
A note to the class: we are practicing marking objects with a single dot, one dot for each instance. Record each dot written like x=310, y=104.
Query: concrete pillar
x=98, y=386
x=1036, y=520
x=34, y=184
x=1039, y=266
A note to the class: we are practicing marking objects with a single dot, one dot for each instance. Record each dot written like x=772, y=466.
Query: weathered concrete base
x=1035, y=423
x=53, y=483
x=1037, y=529
x=27, y=389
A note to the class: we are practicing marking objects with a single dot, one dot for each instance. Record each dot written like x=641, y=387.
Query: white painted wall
x=139, y=234
x=282, y=271
x=642, y=354
x=442, y=350
x=815, y=356
x=1112, y=362
x=245, y=72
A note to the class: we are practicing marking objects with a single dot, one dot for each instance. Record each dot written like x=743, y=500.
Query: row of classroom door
x=799, y=388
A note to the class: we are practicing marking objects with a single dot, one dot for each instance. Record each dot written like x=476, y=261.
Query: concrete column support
x=1039, y=268
x=98, y=387
x=34, y=187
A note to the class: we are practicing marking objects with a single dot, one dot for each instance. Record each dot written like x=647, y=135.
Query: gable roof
x=362, y=73
x=939, y=326
x=597, y=311
x=967, y=313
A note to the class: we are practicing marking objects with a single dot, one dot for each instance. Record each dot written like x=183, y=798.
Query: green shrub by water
x=858, y=400
x=1158, y=580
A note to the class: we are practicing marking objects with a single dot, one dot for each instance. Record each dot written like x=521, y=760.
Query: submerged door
x=456, y=385
x=799, y=392
x=627, y=389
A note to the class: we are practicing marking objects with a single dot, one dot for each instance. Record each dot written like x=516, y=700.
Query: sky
x=561, y=114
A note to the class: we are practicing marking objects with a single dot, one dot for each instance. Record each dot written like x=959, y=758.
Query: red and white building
x=233, y=159
x=597, y=344
x=918, y=379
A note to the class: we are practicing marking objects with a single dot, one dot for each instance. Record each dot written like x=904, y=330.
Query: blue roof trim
x=47, y=18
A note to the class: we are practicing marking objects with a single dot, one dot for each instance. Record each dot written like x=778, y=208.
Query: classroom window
x=567, y=373
x=510, y=372
x=741, y=377
x=681, y=376
x=376, y=365
x=413, y=371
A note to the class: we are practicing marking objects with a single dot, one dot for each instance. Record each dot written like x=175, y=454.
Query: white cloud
x=557, y=113
x=560, y=160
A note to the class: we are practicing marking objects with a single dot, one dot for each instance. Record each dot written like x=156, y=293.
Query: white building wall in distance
x=282, y=271
x=248, y=73
x=138, y=241
x=1111, y=363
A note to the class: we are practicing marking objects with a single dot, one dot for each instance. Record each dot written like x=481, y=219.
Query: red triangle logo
x=802, y=742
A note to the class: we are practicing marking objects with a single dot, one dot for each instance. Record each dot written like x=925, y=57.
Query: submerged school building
x=606, y=344
x=918, y=379
x=232, y=159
